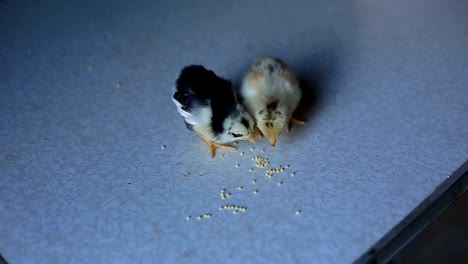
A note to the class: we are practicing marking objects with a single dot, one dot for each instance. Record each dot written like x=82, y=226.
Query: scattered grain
x=207, y=216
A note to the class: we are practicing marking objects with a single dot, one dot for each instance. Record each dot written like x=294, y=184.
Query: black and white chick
x=271, y=94
x=210, y=108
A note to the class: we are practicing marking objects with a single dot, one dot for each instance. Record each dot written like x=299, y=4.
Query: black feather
x=197, y=86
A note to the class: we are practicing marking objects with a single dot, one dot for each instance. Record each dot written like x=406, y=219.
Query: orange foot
x=294, y=121
x=214, y=146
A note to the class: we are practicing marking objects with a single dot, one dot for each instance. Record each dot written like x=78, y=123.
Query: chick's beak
x=251, y=138
x=272, y=140
x=271, y=135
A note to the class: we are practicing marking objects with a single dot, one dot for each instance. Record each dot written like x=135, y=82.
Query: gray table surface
x=85, y=106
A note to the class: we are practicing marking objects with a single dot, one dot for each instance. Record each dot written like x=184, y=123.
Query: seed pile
x=269, y=173
x=261, y=162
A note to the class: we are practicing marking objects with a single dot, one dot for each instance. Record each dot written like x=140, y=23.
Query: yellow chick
x=271, y=94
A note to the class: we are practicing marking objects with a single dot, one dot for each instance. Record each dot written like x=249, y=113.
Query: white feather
x=200, y=115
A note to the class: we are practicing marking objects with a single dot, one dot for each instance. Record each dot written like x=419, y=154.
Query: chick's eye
x=236, y=135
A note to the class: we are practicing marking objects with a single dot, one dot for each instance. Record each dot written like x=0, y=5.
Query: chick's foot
x=214, y=146
x=294, y=121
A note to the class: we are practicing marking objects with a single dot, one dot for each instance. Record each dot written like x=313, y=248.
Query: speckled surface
x=85, y=107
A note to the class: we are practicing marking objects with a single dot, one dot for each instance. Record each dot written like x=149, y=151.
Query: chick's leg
x=294, y=121
x=213, y=146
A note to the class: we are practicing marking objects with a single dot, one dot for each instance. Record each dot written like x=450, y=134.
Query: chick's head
x=272, y=119
x=239, y=126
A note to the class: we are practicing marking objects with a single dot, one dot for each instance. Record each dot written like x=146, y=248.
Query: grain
x=261, y=162
x=270, y=172
x=207, y=216
x=223, y=194
x=234, y=208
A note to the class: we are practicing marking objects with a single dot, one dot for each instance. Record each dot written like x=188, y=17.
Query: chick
x=271, y=94
x=211, y=109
